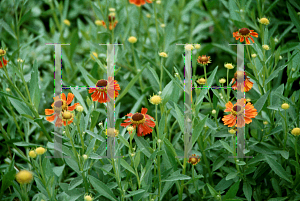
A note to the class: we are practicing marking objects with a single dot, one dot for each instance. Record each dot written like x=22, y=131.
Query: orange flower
x=60, y=110
x=100, y=92
x=142, y=120
x=247, y=83
x=237, y=115
x=139, y=2
x=245, y=33
x=4, y=61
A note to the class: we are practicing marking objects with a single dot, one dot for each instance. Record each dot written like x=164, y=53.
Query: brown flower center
x=60, y=105
x=111, y=18
x=67, y=115
x=203, y=59
x=101, y=83
x=138, y=118
x=236, y=110
x=240, y=75
x=244, y=31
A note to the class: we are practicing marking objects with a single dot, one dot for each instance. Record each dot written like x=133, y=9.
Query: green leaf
x=26, y=144
x=294, y=17
x=75, y=182
x=261, y=102
x=161, y=126
x=34, y=86
x=25, y=17
x=174, y=80
x=79, y=97
x=132, y=193
x=124, y=141
x=127, y=166
x=20, y=107
x=274, y=74
x=232, y=191
x=247, y=189
x=277, y=168
x=276, y=186
x=226, y=146
x=85, y=75
x=94, y=116
x=212, y=191
x=197, y=130
x=137, y=159
x=143, y=145
x=177, y=177
x=58, y=170
x=74, y=41
x=231, y=175
x=129, y=86
x=5, y=94
x=102, y=188
x=167, y=92
x=219, y=162
x=180, y=118
x=8, y=178
x=7, y=28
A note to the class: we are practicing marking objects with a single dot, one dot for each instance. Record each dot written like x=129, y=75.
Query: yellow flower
x=155, y=99
x=264, y=21
x=296, y=131
x=112, y=9
x=265, y=122
x=67, y=115
x=79, y=108
x=163, y=54
x=158, y=2
x=40, y=150
x=88, y=198
x=99, y=22
x=2, y=52
x=201, y=81
x=8, y=89
x=222, y=80
x=162, y=25
x=130, y=129
x=94, y=54
x=285, y=106
x=266, y=47
x=189, y=47
x=232, y=131
x=204, y=60
x=67, y=22
x=24, y=177
x=148, y=15
x=213, y=111
x=197, y=46
x=112, y=132
x=132, y=39
x=228, y=66
x=280, y=57
x=84, y=156
x=248, y=99
x=20, y=60
x=32, y=154
x=253, y=55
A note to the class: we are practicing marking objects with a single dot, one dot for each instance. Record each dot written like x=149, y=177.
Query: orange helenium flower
x=139, y=2
x=142, y=120
x=4, y=61
x=60, y=106
x=247, y=84
x=102, y=86
x=237, y=115
x=245, y=33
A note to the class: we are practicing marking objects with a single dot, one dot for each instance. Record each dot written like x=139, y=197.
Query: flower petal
x=144, y=110
x=49, y=111
x=70, y=98
x=73, y=107
x=51, y=118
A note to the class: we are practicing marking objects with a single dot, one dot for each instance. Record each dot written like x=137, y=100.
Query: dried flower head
x=2, y=52
x=40, y=150
x=222, y=80
x=194, y=159
x=253, y=55
x=32, y=154
x=204, y=60
x=266, y=47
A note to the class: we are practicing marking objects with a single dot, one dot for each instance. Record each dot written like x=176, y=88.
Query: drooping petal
x=247, y=40
x=73, y=107
x=92, y=90
x=63, y=97
x=49, y=111
x=144, y=110
x=70, y=98
x=51, y=118
x=126, y=124
x=150, y=123
x=228, y=106
x=242, y=39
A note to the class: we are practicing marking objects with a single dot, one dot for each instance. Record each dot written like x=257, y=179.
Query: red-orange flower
x=60, y=110
x=139, y=2
x=4, y=61
x=104, y=87
x=245, y=33
x=142, y=120
x=247, y=84
x=112, y=22
x=238, y=116
x=193, y=159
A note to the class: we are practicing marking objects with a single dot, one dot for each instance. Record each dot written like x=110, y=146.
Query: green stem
x=182, y=182
x=156, y=25
x=285, y=132
x=204, y=67
x=161, y=74
x=296, y=153
x=193, y=177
